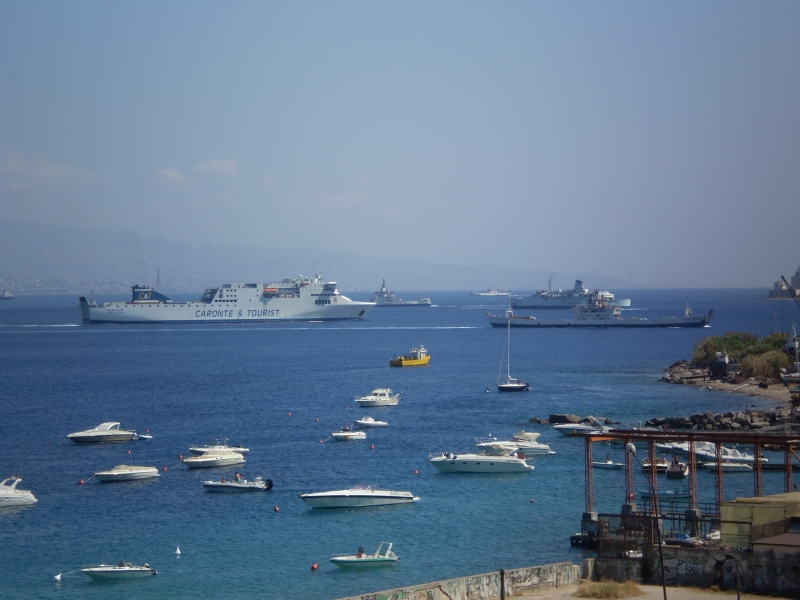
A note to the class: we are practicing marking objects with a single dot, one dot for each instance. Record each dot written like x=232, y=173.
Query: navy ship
x=564, y=298
x=301, y=299
x=385, y=298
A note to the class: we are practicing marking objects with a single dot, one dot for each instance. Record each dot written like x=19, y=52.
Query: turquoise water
x=192, y=384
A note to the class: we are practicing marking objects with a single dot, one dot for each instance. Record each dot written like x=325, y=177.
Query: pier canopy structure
x=678, y=518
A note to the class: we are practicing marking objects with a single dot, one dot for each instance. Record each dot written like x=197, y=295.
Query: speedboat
x=513, y=461
x=661, y=465
x=677, y=469
x=218, y=447
x=607, y=464
x=347, y=435
x=214, y=458
x=666, y=494
x=568, y=428
x=123, y=570
x=127, y=473
x=383, y=557
x=379, y=397
x=524, y=440
x=729, y=467
x=11, y=496
x=357, y=496
x=105, y=432
x=237, y=484
x=367, y=422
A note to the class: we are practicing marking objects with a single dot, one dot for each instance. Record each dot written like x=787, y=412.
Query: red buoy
x=372, y=447
x=277, y=509
x=129, y=451
x=180, y=456
x=81, y=482
x=315, y=566
x=532, y=501
x=317, y=419
x=290, y=414
x=416, y=472
x=320, y=441
x=166, y=469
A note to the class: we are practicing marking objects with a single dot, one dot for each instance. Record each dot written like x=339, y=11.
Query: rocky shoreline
x=681, y=373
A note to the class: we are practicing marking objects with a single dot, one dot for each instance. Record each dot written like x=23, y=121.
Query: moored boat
x=729, y=467
x=607, y=464
x=418, y=357
x=11, y=496
x=379, y=397
x=214, y=458
x=369, y=422
x=512, y=461
x=510, y=384
x=127, y=473
x=122, y=570
x=358, y=496
x=219, y=448
x=239, y=484
x=383, y=557
x=347, y=435
x=105, y=432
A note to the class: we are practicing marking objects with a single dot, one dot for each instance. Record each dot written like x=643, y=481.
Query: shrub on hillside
x=738, y=345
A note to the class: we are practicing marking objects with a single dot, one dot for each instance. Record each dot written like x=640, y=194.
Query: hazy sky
x=656, y=142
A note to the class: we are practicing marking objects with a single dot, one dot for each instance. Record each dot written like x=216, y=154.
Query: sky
x=655, y=142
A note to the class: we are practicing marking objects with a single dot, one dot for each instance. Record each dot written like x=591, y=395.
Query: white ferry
x=301, y=299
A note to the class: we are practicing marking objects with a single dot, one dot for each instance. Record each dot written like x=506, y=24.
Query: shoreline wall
x=485, y=586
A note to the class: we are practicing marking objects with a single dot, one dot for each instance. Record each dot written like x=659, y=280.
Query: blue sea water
x=265, y=387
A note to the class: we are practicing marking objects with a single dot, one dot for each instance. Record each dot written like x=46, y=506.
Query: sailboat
x=510, y=384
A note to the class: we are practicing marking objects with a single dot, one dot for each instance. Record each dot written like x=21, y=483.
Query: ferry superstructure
x=300, y=299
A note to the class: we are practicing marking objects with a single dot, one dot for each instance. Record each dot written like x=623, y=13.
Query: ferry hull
x=625, y=323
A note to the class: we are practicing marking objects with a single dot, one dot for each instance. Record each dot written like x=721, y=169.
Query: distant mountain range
x=47, y=258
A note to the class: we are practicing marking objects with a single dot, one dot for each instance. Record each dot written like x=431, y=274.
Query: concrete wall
x=486, y=586
x=767, y=572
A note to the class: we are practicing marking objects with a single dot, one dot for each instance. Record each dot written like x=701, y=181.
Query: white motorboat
x=383, y=557
x=707, y=451
x=379, y=397
x=238, y=484
x=513, y=461
x=127, y=473
x=524, y=440
x=568, y=428
x=368, y=422
x=729, y=467
x=662, y=464
x=219, y=448
x=105, y=432
x=607, y=464
x=357, y=496
x=348, y=435
x=214, y=459
x=11, y=496
x=677, y=469
x=665, y=494
x=123, y=570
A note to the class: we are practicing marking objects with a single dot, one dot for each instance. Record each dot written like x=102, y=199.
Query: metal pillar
x=757, y=483
x=589, y=477
x=692, y=466
x=654, y=477
x=720, y=480
x=787, y=461
x=630, y=491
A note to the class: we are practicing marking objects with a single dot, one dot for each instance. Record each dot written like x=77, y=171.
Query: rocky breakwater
x=748, y=420
x=559, y=419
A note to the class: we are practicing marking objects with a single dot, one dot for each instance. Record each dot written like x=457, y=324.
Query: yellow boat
x=418, y=357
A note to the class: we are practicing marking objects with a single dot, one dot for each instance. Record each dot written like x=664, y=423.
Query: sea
x=281, y=390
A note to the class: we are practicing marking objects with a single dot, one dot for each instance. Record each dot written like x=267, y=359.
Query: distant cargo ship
x=301, y=299
x=565, y=298
x=6, y=295
x=600, y=314
x=385, y=298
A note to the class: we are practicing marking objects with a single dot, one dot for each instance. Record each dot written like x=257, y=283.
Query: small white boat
x=367, y=422
x=347, y=435
x=568, y=428
x=512, y=461
x=123, y=570
x=379, y=397
x=524, y=440
x=383, y=557
x=729, y=467
x=607, y=464
x=662, y=464
x=238, y=484
x=357, y=496
x=707, y=451
x=665, y=494
x=214, y=459
x=677, y=469
x=219, y=448
x=105, y=432
x=11, y=496
x=127, y=473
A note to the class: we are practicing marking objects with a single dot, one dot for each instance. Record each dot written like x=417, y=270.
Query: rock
x=758, y=425
x=573, y=419
x=558, y=419
x=709, y=427
x=735, y=425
